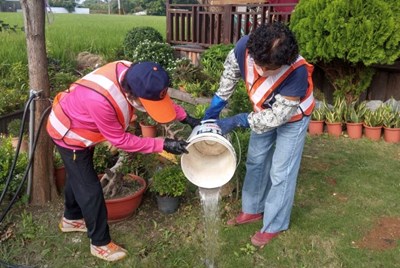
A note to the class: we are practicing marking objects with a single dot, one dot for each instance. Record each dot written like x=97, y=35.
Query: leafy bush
x=13, y=86
x=162, y=53
x=240, y=141
x=239, y=102
x=67, y=4
x=169, y=181
x=14, y=127
x=137, y=35
x=7, y=153
x=16, y=75
x=212, y=60
x=57, y=160
x=103, y=158
x=346, y=37
x=186, y=72
x=10, y=101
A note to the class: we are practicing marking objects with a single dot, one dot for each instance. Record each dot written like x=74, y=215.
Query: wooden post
x=227, y=25
x=43, y=185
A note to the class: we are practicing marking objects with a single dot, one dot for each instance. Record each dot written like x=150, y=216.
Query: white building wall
x=63, y=10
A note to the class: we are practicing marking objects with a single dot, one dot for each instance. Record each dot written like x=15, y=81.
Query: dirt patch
x=384, y=235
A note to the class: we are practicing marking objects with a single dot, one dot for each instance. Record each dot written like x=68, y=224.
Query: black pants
x=84, y=195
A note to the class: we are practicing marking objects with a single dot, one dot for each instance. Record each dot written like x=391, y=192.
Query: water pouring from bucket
x=210, y=164
x=211, y=161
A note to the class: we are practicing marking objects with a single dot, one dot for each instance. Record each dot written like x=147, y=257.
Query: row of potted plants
x=357, y=119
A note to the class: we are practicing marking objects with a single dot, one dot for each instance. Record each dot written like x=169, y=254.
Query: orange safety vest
x=260, y=89
x=106, y=81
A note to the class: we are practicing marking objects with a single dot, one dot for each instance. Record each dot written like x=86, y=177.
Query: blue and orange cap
x=149, y=82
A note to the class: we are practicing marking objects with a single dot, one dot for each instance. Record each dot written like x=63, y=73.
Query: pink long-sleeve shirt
x=90, y=110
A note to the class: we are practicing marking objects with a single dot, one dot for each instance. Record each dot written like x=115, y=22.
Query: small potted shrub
x=373, y=123
x=354, y=119
x=316, y=126
x=148, y=125
x=169, y=183
x=334, y=117
x=391, y=124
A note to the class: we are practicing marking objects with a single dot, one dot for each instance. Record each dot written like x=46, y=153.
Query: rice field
x=69, y=34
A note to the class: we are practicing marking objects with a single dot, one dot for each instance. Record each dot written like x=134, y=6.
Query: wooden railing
x=206, y=25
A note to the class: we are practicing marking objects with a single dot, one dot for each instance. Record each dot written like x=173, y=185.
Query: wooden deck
x=200, y=26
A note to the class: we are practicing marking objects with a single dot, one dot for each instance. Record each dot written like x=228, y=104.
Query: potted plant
x=373, y=122
x=148, y=125
x=123, y=188
x=13, y=129
x=391, y=124
x=316, y=126
x=354, y=119
x=169, y=183
x=334, y=117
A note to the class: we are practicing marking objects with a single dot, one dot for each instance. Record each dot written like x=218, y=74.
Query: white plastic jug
x=211, y=161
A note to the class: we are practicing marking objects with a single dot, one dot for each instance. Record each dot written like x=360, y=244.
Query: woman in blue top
x=279, y=85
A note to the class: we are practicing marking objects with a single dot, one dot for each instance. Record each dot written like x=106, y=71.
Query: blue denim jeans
x=273, y=162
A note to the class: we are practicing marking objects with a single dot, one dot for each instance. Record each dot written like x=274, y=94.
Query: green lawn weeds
x=346, y=214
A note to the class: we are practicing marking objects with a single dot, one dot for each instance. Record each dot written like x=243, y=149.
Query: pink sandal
x=243, y=218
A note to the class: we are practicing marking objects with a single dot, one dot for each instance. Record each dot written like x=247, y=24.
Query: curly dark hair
x=273, y=44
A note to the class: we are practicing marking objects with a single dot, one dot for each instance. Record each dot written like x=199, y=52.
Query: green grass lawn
x=69, y=34
x=345, y=189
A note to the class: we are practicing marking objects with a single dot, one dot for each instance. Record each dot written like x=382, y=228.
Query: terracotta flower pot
x=148, y=130
x=334, y=129
x=122, y=208
x=24, y=144
x=391, y=135
x=373, y=133
x=59, y=175
x=354, y=130
x=316, y=127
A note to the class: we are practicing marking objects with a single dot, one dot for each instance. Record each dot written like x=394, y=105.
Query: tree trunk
x=43, y=185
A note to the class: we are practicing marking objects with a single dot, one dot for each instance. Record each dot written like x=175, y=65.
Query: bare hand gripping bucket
x=211, y=161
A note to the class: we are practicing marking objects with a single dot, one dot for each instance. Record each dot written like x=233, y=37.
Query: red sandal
x=243, y=218
x=261, y=239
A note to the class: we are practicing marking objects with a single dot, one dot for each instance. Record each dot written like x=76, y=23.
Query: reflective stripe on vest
x=261, y=88
x=103, y=81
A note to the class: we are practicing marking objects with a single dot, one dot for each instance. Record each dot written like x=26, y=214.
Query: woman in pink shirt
x=99, y=107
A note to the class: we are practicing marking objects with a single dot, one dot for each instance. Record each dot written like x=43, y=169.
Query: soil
x=382, y=236
x=125, y=187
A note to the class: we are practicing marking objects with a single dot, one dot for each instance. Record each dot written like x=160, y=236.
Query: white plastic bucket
x=211, y=161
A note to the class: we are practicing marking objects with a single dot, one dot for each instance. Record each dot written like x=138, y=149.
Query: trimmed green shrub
x=169, y=181
x=6, y=158
x=138, y=35
x=346, y=37
x=162, y=53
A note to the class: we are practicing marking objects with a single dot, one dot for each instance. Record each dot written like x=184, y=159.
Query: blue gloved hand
x=216, y=106
x=230, y=123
